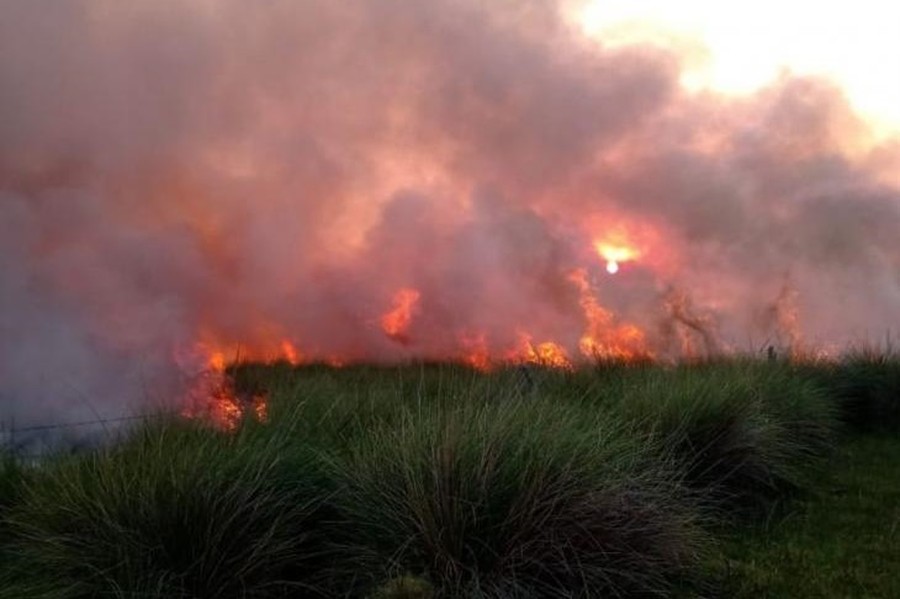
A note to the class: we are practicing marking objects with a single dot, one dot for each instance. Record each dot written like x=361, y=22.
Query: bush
x=517, y=500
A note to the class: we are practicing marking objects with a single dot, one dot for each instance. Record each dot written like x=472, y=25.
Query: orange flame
x=475, y=352
x=395, y=323
x=603, y=339
x=290, y=353
x=213, y=397
x=546, y=353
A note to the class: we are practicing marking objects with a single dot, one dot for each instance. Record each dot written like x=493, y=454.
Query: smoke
x=185, y=175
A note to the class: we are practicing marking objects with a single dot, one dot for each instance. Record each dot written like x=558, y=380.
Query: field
x=716, y=479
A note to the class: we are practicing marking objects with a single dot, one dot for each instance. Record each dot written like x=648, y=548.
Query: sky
x=738, y=47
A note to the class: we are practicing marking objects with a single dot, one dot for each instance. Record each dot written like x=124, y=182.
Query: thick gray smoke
x=241, y=173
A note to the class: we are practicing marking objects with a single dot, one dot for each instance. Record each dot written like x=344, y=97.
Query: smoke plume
x=288, y=178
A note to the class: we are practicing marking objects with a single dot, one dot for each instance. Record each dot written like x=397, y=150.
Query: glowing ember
x=261, y=408
x=396, y=323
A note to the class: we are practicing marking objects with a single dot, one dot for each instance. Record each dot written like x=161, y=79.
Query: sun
x=615, y=253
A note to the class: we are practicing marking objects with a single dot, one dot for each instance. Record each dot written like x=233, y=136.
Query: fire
x=547, y=353
x=216, y=361
x=395, y=323
x=290, y=353
x=475, y=352
x=604, y=339
x=261, y=408
x=212, y=395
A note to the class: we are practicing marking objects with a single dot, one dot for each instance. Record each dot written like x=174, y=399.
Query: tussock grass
x=505, y=500
x=177, y=511
x=866, y=386
x=433, y=481
x=747, y=433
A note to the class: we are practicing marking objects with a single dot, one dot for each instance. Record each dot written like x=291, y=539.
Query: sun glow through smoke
x=615, y=255
x=737, y=48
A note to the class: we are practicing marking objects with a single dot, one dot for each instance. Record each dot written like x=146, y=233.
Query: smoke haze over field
x=178, y=178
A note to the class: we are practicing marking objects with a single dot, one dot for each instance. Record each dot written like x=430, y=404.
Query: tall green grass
x=866, y=386
x=498, y=499
x=12, y=477
x=747, y=433
x=424, y=481
x=176, y=511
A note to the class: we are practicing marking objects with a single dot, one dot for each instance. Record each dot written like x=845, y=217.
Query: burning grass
x=434, y=480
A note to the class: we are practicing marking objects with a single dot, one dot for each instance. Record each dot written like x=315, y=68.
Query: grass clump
x=177, y=511
x=866, y=386
x=517, y=500
x=747, y=433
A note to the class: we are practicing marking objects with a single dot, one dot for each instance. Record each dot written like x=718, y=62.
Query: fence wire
x=15, y=441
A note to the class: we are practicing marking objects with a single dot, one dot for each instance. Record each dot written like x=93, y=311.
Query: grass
x=434, y=481
x=11, y=481
x=747, y=433
x=503, y=500
x=173, y=512
x=843, y=542
x=866, y=386
x=11, y=474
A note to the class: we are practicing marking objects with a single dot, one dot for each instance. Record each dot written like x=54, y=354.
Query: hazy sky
x=741, y=46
